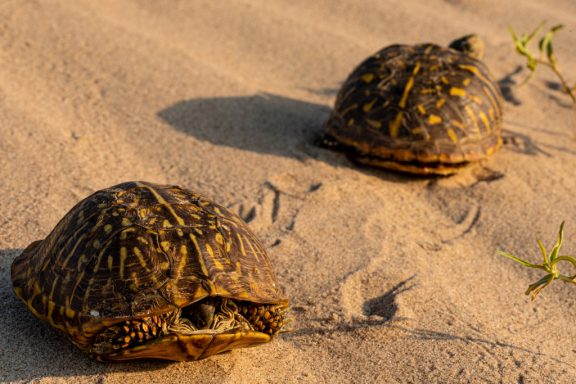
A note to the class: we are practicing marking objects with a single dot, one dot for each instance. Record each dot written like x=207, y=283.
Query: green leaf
x=534, y=289
x=535, y=31
x=545, y=44
x=513, y=34
x=519, y=260
x=544, y=253
x=556, y=249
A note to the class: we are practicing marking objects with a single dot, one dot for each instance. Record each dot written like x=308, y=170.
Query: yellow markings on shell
x=73, y=251
x=70, y=312
x=242, y=250
x=123, y=256
x=216, y=262
x=110, y=262
x=126, y=222
x=253, y=250
x=124, y=233
x=142, y=240
x=454, y=91
x=368, y=106
x=78, y=281
x=195, y=216
x=166, y=224
x=54, y=283
x=350, y=122
x=404, y=98
x=466, y=81
x=476, y=99
x=476, y=71
x=472, y=117
x=51, y=306
x=440, y=103
x=457, y=124
x=394, y=126
x=83, y=259
x=421, y=109
x=135, y=201
x=134, y=278
x=152, y=221
x=374, y=123
x=444, y=80
x=165, y=245
x=452, y=135
x=162, y=201
x=80, y=216
x=96, y=244
x=141, y=258
x=219, y=238
x=434, y=119
x=409, y=85
x=485, y=121
x=493, y=101
x=367, y=78
x=491, y=114
x=469, y=68
x=108, y=228
x=199, y=258
x=180, y=232
x=164, y=265
x=183, y=260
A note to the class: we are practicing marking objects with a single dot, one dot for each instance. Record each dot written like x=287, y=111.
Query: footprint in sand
x=276, y=203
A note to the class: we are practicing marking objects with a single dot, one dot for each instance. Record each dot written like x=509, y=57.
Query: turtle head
x=471, y=45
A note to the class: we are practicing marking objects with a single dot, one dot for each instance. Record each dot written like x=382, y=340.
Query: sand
x=392, y=279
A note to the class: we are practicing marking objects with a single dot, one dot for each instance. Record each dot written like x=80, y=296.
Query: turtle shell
x=417, y=108
x=139, y=253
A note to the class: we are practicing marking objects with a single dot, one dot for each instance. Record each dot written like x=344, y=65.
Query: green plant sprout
x=546, y=56
x=549, y=265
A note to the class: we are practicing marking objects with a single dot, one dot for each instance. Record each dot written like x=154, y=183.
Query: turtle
x=422, y=109
x=146, y=271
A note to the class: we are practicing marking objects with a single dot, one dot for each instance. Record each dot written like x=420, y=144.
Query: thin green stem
x=569, y=259
x=571, y=91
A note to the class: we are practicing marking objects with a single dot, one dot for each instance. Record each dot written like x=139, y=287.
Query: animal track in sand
x=276, y=203
x=456, y=201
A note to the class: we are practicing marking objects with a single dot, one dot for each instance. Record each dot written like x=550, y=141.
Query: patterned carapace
x=421, y=109
x=141, y=270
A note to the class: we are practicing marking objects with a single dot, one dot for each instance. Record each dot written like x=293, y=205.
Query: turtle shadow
x=268, y=124
x=31, y=350
x=263, y=123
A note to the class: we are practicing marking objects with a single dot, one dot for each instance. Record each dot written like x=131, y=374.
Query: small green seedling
x=549, y=265
x=546, y=56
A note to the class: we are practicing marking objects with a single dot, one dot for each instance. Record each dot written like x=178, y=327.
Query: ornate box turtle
x=141, y=270
x=421, y=109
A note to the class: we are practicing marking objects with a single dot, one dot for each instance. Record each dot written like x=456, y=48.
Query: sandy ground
x=391, y=278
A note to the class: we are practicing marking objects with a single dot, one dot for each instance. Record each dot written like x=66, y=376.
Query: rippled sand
x=391, y=278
